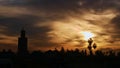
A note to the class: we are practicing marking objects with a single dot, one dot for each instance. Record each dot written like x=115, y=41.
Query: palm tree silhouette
x=90, y=46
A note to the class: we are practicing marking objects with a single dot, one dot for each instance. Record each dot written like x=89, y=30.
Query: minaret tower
x=22, y=43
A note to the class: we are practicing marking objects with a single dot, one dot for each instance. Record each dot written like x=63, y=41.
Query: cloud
x=13, y=24
x=66, y=6
x=116, y=23
x=51, y=23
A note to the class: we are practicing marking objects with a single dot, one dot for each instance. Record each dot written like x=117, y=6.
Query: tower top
x=23, y=33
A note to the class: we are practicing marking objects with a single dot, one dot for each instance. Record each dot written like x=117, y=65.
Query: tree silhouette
x=90, y=41
x=94, y=45
x=90, y=46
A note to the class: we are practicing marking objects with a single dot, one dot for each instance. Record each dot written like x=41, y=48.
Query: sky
x=53, y=24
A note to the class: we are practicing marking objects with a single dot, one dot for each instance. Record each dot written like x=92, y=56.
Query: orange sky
x=60, y=23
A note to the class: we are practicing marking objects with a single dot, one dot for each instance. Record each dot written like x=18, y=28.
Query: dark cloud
x=101, y=4
x=55, y=5
x=63, y=8
x=13, y=24
x=116, y=22
x=66, y=5
x=29, y=22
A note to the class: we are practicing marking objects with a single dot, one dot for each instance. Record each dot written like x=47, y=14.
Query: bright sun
x=87, y=35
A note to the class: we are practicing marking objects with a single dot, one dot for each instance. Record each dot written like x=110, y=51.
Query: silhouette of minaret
x=22, y=43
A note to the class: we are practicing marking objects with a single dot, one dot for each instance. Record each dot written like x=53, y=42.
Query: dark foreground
x=60, y=59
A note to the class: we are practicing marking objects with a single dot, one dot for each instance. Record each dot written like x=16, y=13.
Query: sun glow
x=87, y=35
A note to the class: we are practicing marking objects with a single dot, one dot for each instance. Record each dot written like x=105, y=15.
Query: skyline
x=60, y=23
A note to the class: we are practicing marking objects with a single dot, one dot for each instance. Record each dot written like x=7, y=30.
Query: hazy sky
x=56, y=23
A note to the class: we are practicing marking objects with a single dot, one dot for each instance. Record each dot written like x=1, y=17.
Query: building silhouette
x=22, y=43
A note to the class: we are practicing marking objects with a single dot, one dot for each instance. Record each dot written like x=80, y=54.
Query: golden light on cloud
x=8, y=39
x=87, y=35
x=76, y=31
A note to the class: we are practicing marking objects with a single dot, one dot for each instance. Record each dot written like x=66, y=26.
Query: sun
x=87, y=35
